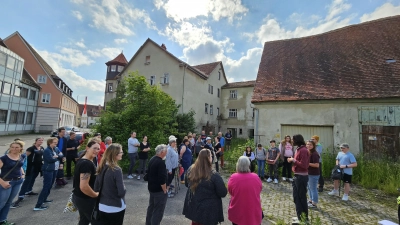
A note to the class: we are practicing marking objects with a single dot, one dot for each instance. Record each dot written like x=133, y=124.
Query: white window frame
x=113, y=68
x=49, y=98
x=147, y=62
x=120, y=68
x=165, y=79
x=153, y=80
x=211, y=109
x=110, y=87
x=42, y=79
x=233, y=94
x=232, y=113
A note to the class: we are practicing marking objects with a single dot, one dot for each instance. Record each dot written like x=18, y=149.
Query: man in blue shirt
x=347, y=162
x=222, y=142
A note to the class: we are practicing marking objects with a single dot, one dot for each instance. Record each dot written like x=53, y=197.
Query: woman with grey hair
x=108, y=141
x=245, y=189
x=171, y=162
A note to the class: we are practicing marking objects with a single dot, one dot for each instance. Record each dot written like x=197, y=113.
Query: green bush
x=238, y=146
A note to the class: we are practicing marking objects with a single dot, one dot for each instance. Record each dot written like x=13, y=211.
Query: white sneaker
x=345, y=197
x=290, y=179
x=275, y=181
x=284, y=178
x=130, y=176
x=134, y=175
x=269, y=180
x=334, y=193
x=138, y=177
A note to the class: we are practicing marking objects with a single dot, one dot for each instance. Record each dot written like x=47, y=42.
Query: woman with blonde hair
x=203, y=201
x=111, y=193
x=11, y=179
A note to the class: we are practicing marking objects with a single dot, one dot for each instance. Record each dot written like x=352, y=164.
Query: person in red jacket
x=103, y=147
x=301, y=162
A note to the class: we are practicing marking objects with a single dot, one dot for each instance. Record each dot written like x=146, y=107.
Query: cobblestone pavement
x=365, y=206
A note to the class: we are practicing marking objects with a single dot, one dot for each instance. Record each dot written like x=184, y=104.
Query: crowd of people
x=200, y=158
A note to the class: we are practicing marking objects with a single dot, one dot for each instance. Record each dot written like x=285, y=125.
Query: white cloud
x=81, y=43
x=109, y=53
x=77, y=15
x=74, y=57
x=180, y=10
x=337, y=7
x=244, y=68
x=120, y=40
x=116, y=16
x=387, y=9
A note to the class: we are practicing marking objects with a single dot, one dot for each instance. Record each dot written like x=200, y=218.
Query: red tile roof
x=347, y=63
x=120, y=60
x=207, y=68
x=249, y=83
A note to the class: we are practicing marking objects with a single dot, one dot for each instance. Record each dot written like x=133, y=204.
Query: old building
x=195, y=88
x=18, y=94
x=56, y=107
x=343, y=85
x=90, y=116
x=114, y=67
x=237, y=113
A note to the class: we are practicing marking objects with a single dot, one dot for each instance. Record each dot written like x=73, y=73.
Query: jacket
x=48, y=160
x=302, y=161
x=64, y=147
x=205, y=205
x=113, y=190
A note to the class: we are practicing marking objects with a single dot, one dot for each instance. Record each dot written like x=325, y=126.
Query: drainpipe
x=256, y=126
x=183, y=88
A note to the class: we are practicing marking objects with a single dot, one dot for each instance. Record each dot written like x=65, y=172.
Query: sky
x=77, y=37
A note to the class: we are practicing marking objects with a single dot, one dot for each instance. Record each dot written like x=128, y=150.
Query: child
x=272, y=160
x=60, y=182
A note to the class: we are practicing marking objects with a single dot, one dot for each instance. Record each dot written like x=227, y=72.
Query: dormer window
x=120, y=68
x=113, y=68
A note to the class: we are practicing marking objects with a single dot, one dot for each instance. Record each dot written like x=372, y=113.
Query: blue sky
x=77, y=37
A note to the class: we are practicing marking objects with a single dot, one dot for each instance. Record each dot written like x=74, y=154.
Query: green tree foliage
x=185, y=123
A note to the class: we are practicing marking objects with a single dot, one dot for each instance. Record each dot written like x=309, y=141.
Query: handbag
x=96, y=212
x=70, y=207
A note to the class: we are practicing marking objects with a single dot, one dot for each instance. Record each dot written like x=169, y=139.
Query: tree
x=185, y=123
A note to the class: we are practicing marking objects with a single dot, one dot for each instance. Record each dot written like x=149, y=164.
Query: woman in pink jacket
x=245, y=189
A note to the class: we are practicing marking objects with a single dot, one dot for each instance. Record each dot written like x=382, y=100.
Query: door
x=325, y=133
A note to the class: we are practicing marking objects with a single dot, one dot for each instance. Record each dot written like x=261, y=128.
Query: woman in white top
x=112, y=197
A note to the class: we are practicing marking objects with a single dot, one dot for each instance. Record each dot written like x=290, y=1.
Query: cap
x=344, y=145
x=208, y=138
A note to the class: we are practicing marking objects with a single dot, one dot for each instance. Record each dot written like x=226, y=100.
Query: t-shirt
x=319, y=150
x=157, y=174
x=288, y=150
x=314, y=158
x=144, y=155
x=61, y=144
x=131, y=145
x=34, y=160
x=8, y=164
x=261, y=154
x=216, y=148
x=228, y=137
x=73, y=144
x=222, y=141
x=83, y=166
x=346, y=159
x=273, y=153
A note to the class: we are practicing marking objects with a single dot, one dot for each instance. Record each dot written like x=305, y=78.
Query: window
x=211, y=109
x=165, y=79
x=17, y=90
x=210, y=89
x=10, y=63
x=254, y=112
x=218, y=92
x=19, y=68
x=152, y=80
x=113, y=68
x=3, y=116
x=42, y=80
x=110, y=87
x=6, y=88
x=13, y=117
x=217, y=111
x=32, y=95
x=147, y=60
x=29, y=118
x=240, y=131
x=46, y=98
x=21, y=117
x=219, y=75
x=206, y=108
x=3, y=58
x=120, y=68
x=232, y=113
x=233, y=94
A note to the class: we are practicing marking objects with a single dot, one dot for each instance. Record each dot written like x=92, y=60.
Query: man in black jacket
x=157, y=179
x=72, y=152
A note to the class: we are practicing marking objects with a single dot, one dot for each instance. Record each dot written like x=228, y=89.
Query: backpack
x=337, y=173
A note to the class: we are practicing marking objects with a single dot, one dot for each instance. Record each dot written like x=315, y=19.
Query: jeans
x=273, y=171
x=171, y=177
x=7, y=196
x=299, y=185
x=287, y=168
x=185, y=166
x=28, y=183
x=142, y=166
x=48, y=180
x=132, y=160
x=155, y=211
x=321, y=181
x=112, y=218
x=312, y=187
x=261, y=168
x=70, y=158
x=85, y=208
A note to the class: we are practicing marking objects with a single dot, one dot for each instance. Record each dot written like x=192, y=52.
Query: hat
x=208, y=138
x=172, y=137
x=344, y=145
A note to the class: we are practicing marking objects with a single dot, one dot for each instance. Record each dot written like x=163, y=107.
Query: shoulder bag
x=95, y=213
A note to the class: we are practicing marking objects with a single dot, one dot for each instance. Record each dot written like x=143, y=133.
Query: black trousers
x=287, y=168
x=299, y=185
x=70, y=158
x=321, y=181
x=171, y=177
x=112, y=218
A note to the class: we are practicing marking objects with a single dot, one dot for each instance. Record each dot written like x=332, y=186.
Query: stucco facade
x=341, y=115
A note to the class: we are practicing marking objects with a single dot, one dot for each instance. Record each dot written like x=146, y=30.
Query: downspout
x=183, y=88
x=256, y=127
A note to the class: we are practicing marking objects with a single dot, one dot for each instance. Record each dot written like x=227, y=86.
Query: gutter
x=256, y=126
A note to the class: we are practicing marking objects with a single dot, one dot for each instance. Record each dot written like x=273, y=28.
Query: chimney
x=164, y=47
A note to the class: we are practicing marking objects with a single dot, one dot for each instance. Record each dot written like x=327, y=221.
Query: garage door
x=325, y=133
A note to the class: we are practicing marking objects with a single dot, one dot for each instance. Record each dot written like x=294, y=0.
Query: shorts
x=347, y=178
x=228, y=143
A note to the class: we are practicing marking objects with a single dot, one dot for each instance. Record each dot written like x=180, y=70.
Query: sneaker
x=31, y=193
x=345, y=197
x=42, y=207
x=48, y=201
x=138, y=177
x=269, y=180
x=284, y=178
x=334, y=193
x=310, y=205
x=290, y=179
x=130, y=176
x=182, y=182
x=275, y=181
x=15, y=205
x=134, y=175
x=6, y=223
